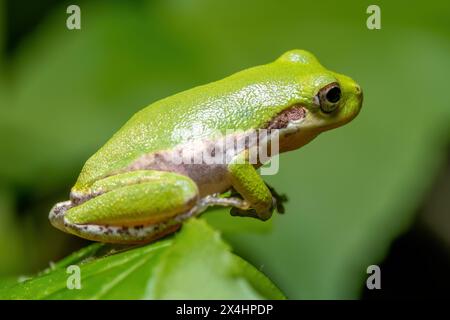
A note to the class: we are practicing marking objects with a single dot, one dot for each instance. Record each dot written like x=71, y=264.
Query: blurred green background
x=352, y=191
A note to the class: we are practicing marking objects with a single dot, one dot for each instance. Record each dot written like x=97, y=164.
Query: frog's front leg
x=249, y=184
x=132, y=207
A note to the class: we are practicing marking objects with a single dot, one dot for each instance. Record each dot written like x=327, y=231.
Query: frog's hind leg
x=148, y=233
x=123, y=234
x=135, y=213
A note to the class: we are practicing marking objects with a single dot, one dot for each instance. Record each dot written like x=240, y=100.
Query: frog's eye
x=328, y=97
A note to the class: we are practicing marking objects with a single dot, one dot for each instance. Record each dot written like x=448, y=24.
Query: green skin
x=128, y=192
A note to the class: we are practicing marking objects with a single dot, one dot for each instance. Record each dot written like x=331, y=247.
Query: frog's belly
x=210, y=178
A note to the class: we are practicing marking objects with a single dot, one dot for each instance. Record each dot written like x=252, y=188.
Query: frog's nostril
x=358, y=91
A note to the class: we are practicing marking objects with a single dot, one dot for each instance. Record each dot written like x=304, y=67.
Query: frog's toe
x=262, y=215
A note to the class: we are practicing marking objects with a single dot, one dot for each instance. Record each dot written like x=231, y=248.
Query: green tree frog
x=133, y=191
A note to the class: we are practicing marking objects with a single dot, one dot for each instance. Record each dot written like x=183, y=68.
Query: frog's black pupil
x=334, y=94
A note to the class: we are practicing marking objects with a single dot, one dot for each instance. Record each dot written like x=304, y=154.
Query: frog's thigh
x=133, y=177
x=135, y=213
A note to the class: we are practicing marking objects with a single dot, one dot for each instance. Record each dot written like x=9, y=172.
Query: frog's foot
x=247, y=211
x=239, y=206
x=242, y=208
x=278, y=199
x=263, y=216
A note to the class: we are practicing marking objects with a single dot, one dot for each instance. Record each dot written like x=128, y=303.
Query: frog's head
x=328, y=100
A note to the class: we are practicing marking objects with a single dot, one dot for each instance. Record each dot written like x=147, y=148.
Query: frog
x=132, y=191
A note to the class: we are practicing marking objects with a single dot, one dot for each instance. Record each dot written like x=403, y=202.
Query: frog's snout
x=356, y=97
x=359, y=92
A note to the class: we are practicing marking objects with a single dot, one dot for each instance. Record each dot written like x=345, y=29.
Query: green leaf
x=224, y=276
x=194, y=264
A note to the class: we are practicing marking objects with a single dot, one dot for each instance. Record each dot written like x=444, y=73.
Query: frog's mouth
x=288, y=118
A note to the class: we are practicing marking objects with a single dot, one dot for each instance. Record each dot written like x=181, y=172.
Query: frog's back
x=241, y=101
